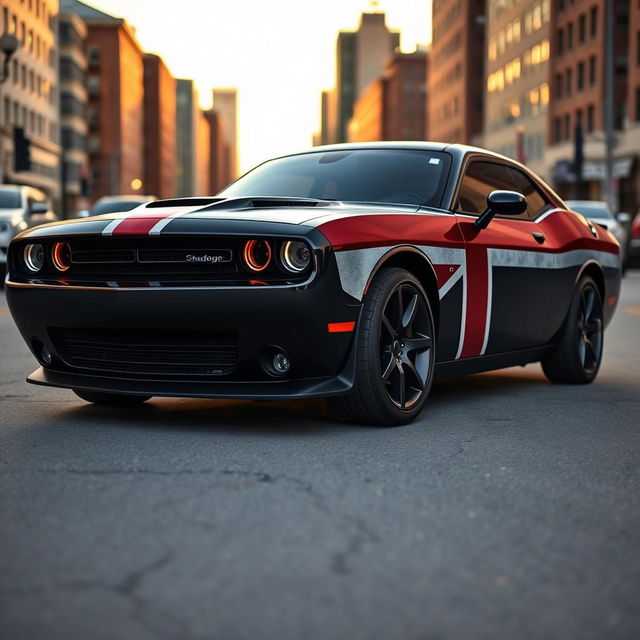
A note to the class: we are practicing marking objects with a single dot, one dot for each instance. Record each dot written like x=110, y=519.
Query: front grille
x=156, y=353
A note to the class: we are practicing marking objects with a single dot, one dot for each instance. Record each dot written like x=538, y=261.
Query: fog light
x=46, y=356
x=281, y=363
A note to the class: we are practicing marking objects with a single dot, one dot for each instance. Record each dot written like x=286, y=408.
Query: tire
x=579, y=354
x=395, y=352
x=111, y=399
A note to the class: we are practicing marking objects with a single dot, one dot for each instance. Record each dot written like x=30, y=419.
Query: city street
x=511, y=509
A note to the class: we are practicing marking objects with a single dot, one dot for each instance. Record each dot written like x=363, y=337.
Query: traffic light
x=21, y=150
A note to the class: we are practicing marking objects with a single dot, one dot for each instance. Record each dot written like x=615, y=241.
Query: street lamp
x=8, y=46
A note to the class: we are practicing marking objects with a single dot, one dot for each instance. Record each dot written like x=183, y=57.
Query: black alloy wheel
x=395, y=352
x=578, y=356
x=405, y=345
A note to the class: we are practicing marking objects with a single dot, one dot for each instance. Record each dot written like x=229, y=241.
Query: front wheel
x=395, y=352
x=578, y=356
x=110, y=399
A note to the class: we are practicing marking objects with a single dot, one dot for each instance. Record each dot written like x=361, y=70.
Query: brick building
x=159, y=128
x=393, y=107
x=455, y=86
x=116, y=103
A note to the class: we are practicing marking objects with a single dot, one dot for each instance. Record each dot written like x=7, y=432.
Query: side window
x=536, y=201
x=480, y=179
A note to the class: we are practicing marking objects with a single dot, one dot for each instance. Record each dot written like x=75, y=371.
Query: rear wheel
x=577, y=358
x=395, y=352
x=111, y=399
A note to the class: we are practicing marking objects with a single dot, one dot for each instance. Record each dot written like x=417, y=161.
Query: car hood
x=311, y=213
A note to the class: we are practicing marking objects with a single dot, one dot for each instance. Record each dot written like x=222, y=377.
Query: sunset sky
x=278, y=53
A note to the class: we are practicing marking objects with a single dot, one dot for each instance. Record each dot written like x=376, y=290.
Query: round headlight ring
x=257, y=254
x=33, y=256
x=61, y=256
x=295, y=256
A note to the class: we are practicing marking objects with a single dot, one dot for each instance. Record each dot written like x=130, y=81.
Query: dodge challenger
x=358, y=271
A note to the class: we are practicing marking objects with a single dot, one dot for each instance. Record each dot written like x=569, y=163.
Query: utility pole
x=609, y=72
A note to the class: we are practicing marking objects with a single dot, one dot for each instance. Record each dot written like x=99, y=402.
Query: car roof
x=420, y=145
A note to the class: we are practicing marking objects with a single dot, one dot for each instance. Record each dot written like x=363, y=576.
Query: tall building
x=577, y=81
x=74, y=166
x=516, y=80
x=116, y=102
x=159, y=128
x=203, y=154
x=456, y=71
x=219, y=165
x=360, y=58
x=29, y=97
x=393, y=107
x=186, y=137
x=225, y=102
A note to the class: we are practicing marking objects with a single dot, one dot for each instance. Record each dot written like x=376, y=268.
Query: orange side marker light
x=340, y=327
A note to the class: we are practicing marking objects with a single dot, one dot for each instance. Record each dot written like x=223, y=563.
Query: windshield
x=399, y=176
x=9, y=199
x=113, y=206
x=591, y=209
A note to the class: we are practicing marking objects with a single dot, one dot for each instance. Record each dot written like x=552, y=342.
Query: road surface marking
x=634, y=310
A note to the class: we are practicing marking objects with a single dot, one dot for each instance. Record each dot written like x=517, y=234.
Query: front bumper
x=294, y=319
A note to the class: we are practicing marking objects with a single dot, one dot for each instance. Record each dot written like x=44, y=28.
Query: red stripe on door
x=477, y=294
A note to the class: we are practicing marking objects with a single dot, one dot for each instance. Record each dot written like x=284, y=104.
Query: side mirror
x=38, y=208
x=502, y=203
x=623, y=218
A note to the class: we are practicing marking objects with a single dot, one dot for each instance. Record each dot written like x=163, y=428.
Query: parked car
x=21, y=207
x=634, y=244
x=113, y=204
x=358, y=271
x=599, y=212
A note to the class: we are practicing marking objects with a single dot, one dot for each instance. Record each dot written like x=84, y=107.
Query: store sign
x=592, y=169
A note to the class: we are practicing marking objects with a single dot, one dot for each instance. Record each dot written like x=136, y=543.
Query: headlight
x=61, y=256
x=295, y=256
x=34, y=257
x=257, y=254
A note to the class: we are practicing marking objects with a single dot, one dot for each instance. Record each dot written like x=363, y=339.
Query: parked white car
x=21, y=207
x=113, y=204
x=599, y=212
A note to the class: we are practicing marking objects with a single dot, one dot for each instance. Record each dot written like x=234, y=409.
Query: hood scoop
x=231, y=204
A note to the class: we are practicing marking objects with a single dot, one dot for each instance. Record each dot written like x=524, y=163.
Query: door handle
x=538, y=237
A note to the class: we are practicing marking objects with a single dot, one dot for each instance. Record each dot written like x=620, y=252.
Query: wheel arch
x=415, y=262
x=593, y=269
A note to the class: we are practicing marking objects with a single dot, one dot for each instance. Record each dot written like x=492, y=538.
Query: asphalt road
x=511, y=509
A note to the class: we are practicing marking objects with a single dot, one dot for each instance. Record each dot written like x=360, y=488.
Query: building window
x=637, y=104
x=569, y=81
x=590, y=118
x=594, y=21
x=580, y=77
x=570, y=36
x=579, y=118
x=560, y=41
x=582, y=28
x=592, y=71
x=638, y=48
x=567, y=127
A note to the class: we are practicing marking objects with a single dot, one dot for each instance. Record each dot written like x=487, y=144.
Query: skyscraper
x=225, y=102
x=360, y=58
x=456, y=71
